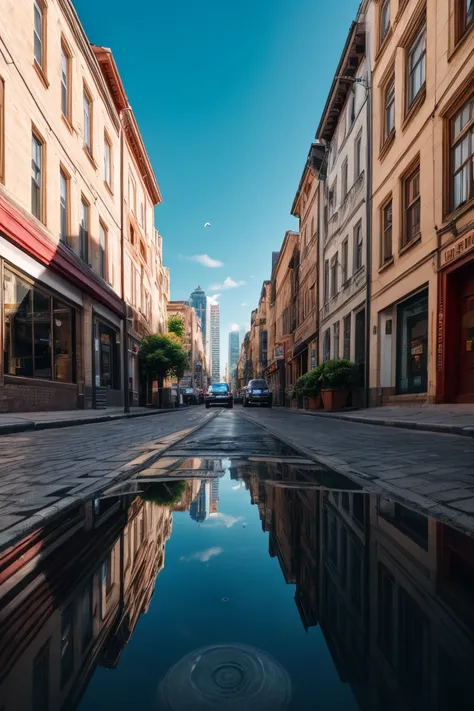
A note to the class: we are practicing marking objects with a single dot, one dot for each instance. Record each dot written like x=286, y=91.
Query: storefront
x=107, y=384
x=455, y=331
x=412, y=345
x=275, y=376
x=133, y=375
x=40, y=361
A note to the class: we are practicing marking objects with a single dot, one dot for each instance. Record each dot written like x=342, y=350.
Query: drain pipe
x=368, y=240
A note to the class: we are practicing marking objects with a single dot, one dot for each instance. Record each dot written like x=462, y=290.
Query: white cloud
x=213, y=299
x=243, y=303
x=204, y=556
x=206, y=261
x=225, y=519
x=228, y=283
x=234, y=327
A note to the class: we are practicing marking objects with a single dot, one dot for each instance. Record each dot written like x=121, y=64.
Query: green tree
x=165, y=493
x=162, y=356
x=176, y=326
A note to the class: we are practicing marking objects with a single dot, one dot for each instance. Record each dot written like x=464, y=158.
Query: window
x=63, y=206
x=332, y=198
x=107, y=161
x=142, y=217
x=87, y=111
x=37, y=177
x=132, y=194
x=327, y=345
x=352, y=108
x=38, y=332
x=2, y=131
x=465, y=17
x=334, y=266
x=358, y=242
x=358, y=157
x=67, y=644
x=462, y=154
x=411, y=195
x=65, y=82
x=39, y=34
x=345, y=260
x=416, y=66
x=84, y=232
x=344, y=179
x=347, y=338
x=384, y=20
x=102, y=250
x=387, y=232
x=335, y=329
x=326, y=281
x=132, y=235
x=389, y=109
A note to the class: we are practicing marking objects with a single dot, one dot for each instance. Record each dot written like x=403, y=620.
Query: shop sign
x=417, y=349
x=272, y=368
x=462, y=246
x=279, y=352
x=440, y=337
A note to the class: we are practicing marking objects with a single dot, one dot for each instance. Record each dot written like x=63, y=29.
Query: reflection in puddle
x=382, y=615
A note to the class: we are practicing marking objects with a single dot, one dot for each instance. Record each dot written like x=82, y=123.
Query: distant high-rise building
x=198, y=300
x=215, y=343
x=201, y=506
x=214, y=495
x=234, y=352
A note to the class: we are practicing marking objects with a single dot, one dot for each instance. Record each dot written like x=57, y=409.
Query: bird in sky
x=207, y=224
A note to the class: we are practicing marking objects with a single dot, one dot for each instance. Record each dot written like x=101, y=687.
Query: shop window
x=412, y=344
x=462, y=154
x=38, y=332
x=387, y=232
x=416, y=66
x=411, y=206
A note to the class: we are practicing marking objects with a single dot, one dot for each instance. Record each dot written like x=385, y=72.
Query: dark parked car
x=257, y=392
x=190, y=396
x=219, y=394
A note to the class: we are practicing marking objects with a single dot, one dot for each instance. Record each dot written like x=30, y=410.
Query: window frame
x=357, y=232
x=412, y=44
x=41, y=65
x=345, y=260
x=389, y=91
x=103, y=250
x=408, y=205
x=87, y=98
x=344, y=178
x=383, y=35
x=358, y=156
x=63, y=174
x=384, y=230
x=66, y=52
x=462, y=25
x=36, y=135
x=346, y=352
x=84, y=256
x=109, y=163
x=453, y=141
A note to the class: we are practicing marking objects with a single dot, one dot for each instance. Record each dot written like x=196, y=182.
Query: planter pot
x=306, y=405
x=314, y=403
x=334, y=398
x=293, y=404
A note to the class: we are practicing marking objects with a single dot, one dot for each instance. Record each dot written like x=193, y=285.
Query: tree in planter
x=337, y=377
x=162, y=356
x=176, y=326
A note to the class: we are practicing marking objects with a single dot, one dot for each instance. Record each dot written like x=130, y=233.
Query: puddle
x=252, y=585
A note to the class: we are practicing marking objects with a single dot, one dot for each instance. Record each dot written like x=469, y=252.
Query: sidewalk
x=450, y=419
x=27, y=421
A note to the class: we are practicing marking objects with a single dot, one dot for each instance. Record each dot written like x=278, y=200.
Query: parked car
x=219, y=394
x=257, y=392
x=190, y=396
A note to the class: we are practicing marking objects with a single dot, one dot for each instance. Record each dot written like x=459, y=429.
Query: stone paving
x=431, y=472
x=43, y=473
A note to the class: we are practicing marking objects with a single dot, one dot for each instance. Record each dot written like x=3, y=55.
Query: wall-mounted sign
x=272, y=368
x=417, y=349
x=457, y=249
x=279, y=352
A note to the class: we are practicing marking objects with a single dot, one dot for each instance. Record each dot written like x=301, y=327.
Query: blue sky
x=228, y=96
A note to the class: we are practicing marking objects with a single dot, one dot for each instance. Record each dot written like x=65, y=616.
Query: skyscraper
x=198, y=300
x=215, y=343
x=234, y=352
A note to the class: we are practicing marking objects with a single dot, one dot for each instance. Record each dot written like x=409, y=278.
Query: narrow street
x=236, y=569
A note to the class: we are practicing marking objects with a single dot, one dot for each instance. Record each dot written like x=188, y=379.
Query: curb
x=465, y=431
x=72, y=422
x=376, y=485
x=10, y=536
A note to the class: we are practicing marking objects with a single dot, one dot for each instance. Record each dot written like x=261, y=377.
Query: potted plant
x=298, y=392
x=312, y=388
x=337, y=377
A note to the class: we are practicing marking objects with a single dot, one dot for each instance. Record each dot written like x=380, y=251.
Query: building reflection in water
x=71, y=595
x=391, y=589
